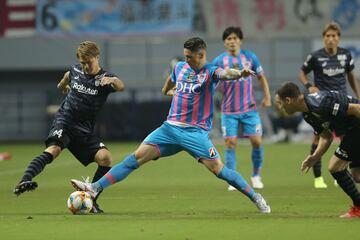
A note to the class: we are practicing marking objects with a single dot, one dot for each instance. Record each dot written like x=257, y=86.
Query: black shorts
x=349, y=148
x=83, y=146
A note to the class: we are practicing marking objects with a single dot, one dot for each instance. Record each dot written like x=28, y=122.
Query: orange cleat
x=5, y=156
x=354, y=212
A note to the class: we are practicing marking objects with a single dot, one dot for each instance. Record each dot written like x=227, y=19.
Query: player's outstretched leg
x=35, y=167
x=230, y=162
x=100, y=172
x=116, y=174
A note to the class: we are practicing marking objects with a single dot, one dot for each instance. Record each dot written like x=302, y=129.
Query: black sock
x=346, y=182
x=36, y=166
x=317, y=166
x=101, y=171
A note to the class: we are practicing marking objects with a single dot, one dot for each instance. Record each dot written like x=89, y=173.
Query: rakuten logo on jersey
x=81, y=88
x=186, y=87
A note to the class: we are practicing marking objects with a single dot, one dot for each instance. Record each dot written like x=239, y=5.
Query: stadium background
x=138, y=38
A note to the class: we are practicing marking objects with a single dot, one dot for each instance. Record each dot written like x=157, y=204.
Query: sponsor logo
x=333, y=71
x=335, y=109
x=212, y=152
x=82, y=89
x=258, y=129
x=201, y=77
x=185, y=87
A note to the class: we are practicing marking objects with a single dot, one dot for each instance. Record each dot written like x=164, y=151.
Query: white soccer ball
x=80, y=202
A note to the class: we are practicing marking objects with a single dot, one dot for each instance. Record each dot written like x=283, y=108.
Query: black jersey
x=328, y=110
x=329, y=71
x=84, y=101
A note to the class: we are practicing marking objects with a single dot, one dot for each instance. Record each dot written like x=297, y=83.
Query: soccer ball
x=80, y=202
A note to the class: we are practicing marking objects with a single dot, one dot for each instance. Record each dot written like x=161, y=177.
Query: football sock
x=117, y=173
x=236, y=180
x=257, y=157
x=101, y=171
x=230, y=160
x=36, y=166
x=346, y=182
x=317, y=166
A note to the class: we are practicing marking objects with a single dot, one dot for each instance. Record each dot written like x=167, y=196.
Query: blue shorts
x=250, y=122
x=170, y=139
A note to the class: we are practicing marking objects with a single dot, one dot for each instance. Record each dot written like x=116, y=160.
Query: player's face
x=284, y=105
x=194, y=59
x=331, y=39
x=90, y=65
x=232, y=43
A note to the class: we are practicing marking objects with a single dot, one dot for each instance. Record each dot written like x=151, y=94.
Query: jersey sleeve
x=256, y=66
x=110, y=88
x=308, y=65
x=314, y=123
x=215, y=72
x=173, y=74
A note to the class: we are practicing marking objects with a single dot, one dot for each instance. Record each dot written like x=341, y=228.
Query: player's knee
x=230, y=143
x=103, y=158
x=54, y=150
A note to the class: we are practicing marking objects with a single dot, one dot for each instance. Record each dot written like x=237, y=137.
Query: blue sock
x=236, y=180
x=117, y=173
x=230, y=159
x=257, y=158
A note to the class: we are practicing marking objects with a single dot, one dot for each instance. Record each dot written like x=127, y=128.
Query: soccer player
x=187, y=125
x=238, y=106
x=328, y=111
x=87, y=86
x=331, y=65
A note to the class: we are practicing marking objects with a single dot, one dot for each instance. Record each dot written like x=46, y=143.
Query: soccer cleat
x=96, y=209
x=354, y=212
x=256, y=182
x=319, y=183
x=84, y=186
x=231, y=188
x=25, y=186
x=261, y=204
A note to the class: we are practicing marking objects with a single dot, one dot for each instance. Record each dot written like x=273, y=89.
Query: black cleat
x=96, y=209
x=25, y=186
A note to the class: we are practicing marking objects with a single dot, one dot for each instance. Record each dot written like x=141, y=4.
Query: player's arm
x=354, y=83
x=63, y=85
x=234, y=74
x=169, y=87
x=266, y=102
x=354, y=110
x=325, y=141
x=305, y=81
x=115, y=82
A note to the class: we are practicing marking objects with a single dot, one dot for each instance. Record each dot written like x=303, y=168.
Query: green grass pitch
x=175, y=198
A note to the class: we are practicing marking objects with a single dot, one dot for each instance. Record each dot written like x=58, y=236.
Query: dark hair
x=288, y=89
x=230, y=30
x=195, y=44
x=332, y=26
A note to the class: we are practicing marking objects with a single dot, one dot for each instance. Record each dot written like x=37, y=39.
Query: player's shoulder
x=342, y=50
x=77, y=68
x=219, y=57
x=247, y=53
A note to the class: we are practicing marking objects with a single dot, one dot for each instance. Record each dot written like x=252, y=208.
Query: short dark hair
x=195, y=44
x=230, y=30
x=288, y=89
x=332, y=26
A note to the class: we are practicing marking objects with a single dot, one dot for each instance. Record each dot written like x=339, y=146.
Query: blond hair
x=332, y=26
x=88, y=49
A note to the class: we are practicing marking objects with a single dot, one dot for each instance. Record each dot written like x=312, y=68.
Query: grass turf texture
x=174, y=198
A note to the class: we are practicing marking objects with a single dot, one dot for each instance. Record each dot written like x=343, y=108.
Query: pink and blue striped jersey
x=238, y=96
x=193, y=99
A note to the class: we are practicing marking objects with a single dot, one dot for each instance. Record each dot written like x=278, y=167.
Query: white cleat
x=231, y=188
x=84, y=186
x=256, y=182
x=261, y=204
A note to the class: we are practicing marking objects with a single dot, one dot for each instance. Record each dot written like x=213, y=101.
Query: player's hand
x=313, y=89
x=64, y=89
x=107, y=81
x=246, y=72
x=308, y=163
x=266, y=102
